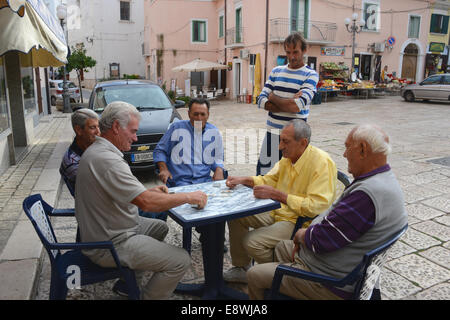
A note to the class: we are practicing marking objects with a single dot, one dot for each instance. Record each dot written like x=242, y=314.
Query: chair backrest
x=343, y=182
x=371, y=267
x=37, y=211
x=69, y=186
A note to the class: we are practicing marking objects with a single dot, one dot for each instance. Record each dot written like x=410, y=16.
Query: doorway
x=312, y=63
x=409, y=63
x=237, y=78
x=366, y=63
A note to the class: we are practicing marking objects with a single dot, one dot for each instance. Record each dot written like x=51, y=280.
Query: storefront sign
x=437, y=46
x=332, y=51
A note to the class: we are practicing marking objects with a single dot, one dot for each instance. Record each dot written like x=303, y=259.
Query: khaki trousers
x=146, y=251
x=259, y=243
x=260, y=277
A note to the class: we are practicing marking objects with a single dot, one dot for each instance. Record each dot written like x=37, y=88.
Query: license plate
x=140, y=157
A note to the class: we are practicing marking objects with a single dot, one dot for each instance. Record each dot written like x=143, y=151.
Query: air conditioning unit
x=379, y=47
x=244, y=54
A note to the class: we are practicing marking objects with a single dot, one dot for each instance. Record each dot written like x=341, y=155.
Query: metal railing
x=313, y=31
x=235, y=36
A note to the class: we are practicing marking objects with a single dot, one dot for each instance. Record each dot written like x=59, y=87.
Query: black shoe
x=120, y=288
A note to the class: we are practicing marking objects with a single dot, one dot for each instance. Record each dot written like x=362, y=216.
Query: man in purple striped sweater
x=368, y=213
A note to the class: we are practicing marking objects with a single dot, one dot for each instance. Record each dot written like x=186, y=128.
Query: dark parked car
x=156, y=109
x=435, y=87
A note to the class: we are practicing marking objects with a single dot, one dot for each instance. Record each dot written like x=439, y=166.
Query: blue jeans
x=153, y=215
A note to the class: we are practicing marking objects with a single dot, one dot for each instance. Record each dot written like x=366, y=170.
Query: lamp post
x=61, y=12
x=353, y=26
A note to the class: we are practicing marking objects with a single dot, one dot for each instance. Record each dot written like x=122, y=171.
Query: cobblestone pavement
x=418, y=265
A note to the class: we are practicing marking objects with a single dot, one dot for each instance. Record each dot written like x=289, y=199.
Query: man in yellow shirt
x=303, y=181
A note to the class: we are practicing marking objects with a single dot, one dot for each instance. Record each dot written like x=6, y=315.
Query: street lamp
x=61, y=12
x=354, y=28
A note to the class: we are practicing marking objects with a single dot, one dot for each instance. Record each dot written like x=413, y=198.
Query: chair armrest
x=82, y=245
x=283, y=270
x=62, y=213
x=88, y=245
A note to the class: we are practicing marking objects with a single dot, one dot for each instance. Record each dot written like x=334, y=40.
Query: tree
x=80, y=62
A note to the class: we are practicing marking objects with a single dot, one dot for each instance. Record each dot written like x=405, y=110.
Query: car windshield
x=69, y=85
x=141, y=96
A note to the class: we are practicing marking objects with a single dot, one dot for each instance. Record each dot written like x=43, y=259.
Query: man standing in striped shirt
x=286, y=95
x=369, y=212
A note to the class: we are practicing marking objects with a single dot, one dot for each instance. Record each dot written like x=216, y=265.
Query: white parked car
x=56, y=90
x=435, y=87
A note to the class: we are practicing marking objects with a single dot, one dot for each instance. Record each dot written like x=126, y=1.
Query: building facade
x=394, y=34
x=112, y=33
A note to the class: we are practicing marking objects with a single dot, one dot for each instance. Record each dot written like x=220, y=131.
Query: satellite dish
x=353, y=77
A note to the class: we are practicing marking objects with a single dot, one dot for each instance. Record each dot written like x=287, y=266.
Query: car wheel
x=409, y=96
x=53, y=101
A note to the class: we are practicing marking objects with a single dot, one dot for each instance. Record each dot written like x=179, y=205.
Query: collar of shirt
x=301, y=161
x=108, y=145
x=75, y=148
x=381, y=169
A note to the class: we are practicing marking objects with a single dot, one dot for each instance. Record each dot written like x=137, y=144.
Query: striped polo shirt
x=286, y=82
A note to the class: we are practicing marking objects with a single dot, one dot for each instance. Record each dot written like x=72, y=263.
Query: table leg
x=212, y=238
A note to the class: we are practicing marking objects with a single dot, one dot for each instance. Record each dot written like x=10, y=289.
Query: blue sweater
x=190, y=157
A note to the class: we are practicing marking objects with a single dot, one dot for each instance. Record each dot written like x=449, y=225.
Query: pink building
x=392, y=33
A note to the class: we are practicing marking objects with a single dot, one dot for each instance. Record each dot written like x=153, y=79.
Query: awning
x=199, y=65
x=29, y=27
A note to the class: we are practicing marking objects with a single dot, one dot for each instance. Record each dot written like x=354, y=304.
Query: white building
x=112, y=31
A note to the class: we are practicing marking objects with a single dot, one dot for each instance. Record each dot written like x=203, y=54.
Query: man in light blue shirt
x=190, y=149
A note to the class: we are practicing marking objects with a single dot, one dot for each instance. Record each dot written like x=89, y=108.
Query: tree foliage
x=79, y=61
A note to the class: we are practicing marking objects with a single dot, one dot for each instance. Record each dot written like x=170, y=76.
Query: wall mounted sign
x=437, y=46
x=391, y=41
x=332, y=51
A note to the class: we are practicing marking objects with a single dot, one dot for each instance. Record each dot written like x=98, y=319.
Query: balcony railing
x=315, y=32
x=235, y=37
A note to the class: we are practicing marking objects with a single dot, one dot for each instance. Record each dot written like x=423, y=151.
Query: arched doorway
x=409, y=65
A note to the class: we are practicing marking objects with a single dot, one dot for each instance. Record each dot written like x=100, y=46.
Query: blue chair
x=39, y=213
x=364, y=276
x=345, y=182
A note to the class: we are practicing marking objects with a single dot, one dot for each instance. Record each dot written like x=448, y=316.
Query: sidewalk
x=20, y=247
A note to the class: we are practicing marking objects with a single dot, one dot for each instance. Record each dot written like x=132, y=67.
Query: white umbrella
x=199, y=65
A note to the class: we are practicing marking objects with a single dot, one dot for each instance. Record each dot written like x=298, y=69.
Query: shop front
x=436, y=58
x=30, y=37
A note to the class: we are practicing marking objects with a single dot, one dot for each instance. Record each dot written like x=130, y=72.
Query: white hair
x=120, y=111
x=377, y=139
x=80, y=117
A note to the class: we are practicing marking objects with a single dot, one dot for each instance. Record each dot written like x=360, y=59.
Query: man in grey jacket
x=368, y=213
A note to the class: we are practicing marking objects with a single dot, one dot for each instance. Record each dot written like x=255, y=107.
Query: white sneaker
x=235, y=274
